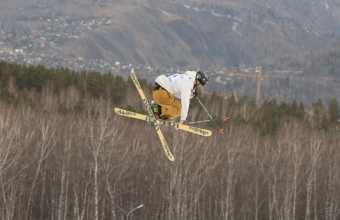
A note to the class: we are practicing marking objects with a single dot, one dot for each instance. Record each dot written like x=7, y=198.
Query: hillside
x=163, y=33
x=189, y=34
x=170, y=34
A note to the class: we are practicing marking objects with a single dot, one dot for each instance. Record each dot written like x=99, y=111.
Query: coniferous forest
x=65, y=154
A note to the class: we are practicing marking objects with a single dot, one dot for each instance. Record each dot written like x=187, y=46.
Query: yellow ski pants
x=170, y=106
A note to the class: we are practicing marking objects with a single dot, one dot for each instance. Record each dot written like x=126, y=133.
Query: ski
x=176, y=125
x=152, y=117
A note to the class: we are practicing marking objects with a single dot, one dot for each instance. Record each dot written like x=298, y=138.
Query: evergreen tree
x=6, y=70
x=64, y=78
x=119, y=90
x=333, y=111
x=6, y=96
x=301, y=111
x=294, y=107
x=232, y=101
x=324, y=122
x=95, y=84
x=285, y=108
x=318, y=112
x=269, y=121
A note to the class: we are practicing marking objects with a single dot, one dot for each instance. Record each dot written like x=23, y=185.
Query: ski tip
x=220, y=131
x=225, y=118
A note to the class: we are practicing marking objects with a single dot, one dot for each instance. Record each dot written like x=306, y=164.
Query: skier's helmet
x=202, y=77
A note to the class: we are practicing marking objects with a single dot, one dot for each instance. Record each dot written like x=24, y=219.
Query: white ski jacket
x=181, y=86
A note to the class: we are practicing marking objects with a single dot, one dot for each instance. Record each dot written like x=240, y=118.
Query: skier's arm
x=185, y=98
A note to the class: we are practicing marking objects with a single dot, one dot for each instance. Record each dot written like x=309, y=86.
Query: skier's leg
x=171, y=107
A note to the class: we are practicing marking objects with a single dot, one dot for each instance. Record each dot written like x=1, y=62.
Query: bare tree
x=332, y=179
x=14, y=138
x=97, y=130
x=45, y=141
x=315, y=150
x=273, y=157
x=116, y=161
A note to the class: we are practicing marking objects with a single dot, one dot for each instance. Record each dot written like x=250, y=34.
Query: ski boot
x=165, y=118
x=156, y=109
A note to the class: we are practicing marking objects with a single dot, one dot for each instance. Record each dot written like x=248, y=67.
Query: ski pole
x=195, y=122
x=225, y=118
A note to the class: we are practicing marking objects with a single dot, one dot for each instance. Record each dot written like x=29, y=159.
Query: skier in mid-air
x=169, y=89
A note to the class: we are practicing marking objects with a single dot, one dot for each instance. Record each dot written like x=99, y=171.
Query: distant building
x=36, y=33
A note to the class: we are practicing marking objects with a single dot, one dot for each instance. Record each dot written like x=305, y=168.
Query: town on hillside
x=22, y=45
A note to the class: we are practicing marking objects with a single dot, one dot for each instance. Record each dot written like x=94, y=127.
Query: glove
x=194, y=93
x=182, y=122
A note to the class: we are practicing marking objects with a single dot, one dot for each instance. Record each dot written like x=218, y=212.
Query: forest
x=65, y=154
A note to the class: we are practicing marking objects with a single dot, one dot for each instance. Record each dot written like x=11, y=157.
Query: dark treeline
x=64, y=154
x=31, y=85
